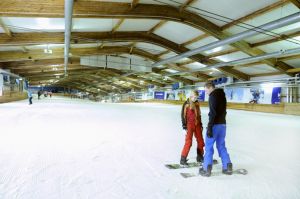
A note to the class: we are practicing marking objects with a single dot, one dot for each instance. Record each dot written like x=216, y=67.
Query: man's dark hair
x=209, y=84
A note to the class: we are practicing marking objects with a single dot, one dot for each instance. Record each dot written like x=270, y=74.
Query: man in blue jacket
x=29, y=93
x=216, y=131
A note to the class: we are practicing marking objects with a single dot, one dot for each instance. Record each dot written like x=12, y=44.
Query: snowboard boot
x=228, y=171
x=199, y=158
x=206, y=173
x=183, y=161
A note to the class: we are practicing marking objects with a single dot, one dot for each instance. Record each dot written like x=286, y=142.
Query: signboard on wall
x=276, y=95
x=159, y=95
x=150, y=95
x=138, y=96
x=175, y=86
x=181, y=95
x=201, y=97
x=5, y=78
x=170, y=95
x=257, y=95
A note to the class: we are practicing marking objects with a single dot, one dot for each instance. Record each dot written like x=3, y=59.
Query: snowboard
x=190, y=165
x=235, y=171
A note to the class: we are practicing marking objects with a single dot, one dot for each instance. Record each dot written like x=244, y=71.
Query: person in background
x=39, y=94
x=29, y=93
x=216, y=131
x=191, y=122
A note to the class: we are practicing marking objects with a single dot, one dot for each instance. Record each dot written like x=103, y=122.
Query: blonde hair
x=192, y=104
x=196, y=92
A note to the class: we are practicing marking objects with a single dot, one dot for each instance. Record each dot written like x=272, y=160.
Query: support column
x=1, y=84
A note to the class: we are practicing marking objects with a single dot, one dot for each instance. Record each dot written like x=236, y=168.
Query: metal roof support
x=68, y=27
x=8, y=73
x=253, y=59
x=235, y=38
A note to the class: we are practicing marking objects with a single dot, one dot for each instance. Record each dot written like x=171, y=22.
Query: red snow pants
x=195, y=130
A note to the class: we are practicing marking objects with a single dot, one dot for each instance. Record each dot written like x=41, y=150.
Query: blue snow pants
x=219, y=134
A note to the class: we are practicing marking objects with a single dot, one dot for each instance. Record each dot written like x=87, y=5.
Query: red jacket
x=188, y=112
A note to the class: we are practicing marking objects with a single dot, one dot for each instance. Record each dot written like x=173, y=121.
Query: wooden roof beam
x=83, y=51
x=133, y=77
x=185, y=4
x=225, y=52
x=101, y=46
x=294, y=70
x=129, y=36
x=88, y=80
x=134, y=3
x=282, y=37
x=289, y=58
x=120, y=77
x=117, y=26
x=256, y=13
x=245, y=47
x=87, y=84
x=5, y=28
x=125, y=36
x=163, y=53
x=54, y=73
x=200, y=37
x=235, y=73
x=296, y=3
x=24, y=49
x=157, y=26
x=266, y=74
x=41, y=63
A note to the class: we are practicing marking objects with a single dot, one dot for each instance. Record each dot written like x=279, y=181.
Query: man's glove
x=209, y=132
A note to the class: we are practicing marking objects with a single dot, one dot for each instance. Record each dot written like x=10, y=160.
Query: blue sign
x=175, y=86
x=159, y=95
x=201, y=97
x=5, y=78
x=220, y=80
x=276, y=95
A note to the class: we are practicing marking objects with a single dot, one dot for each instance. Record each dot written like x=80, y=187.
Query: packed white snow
x=65, y=148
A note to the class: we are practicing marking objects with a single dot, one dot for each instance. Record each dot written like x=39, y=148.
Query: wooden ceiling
x=41, y=68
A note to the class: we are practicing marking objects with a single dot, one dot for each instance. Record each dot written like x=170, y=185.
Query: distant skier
x=191, y=122
x=39, y=94
x=29, y=93
x=216, y=131
x=255, y=95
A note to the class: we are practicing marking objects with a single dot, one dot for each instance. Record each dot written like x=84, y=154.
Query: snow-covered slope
x=63, y=148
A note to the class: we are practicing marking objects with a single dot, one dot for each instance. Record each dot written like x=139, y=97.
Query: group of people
x=46, y=93
x=215, y=132
x=39, y=93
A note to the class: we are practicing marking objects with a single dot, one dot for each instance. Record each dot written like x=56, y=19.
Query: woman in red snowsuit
x=191, y=121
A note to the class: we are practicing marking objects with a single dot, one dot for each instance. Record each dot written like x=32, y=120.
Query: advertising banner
x=276, y=95
x=159, y=95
